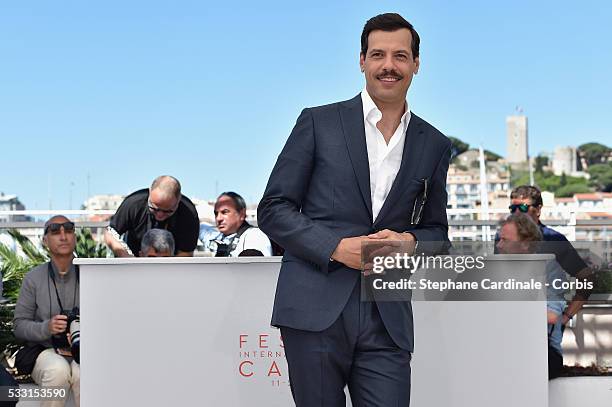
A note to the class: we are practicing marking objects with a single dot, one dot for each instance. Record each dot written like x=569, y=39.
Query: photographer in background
x=162, y=206
x=519, y=234
x=236, y=237
x=527, y=199
x=48, y=302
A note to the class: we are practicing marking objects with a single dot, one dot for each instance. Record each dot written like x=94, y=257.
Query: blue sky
x=208, y=92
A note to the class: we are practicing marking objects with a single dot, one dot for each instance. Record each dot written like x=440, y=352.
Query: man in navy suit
x=362, y=170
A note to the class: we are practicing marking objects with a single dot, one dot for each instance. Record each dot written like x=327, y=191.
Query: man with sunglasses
x=528, y=199
x=49, y=292
x=519, y=234
x=162, y=206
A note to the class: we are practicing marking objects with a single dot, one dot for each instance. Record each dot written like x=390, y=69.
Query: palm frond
x=14, y=267
x=86, y=246
x=7, y=256
x=27, y=247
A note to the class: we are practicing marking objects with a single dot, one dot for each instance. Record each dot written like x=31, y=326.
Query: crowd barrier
x=196, y=332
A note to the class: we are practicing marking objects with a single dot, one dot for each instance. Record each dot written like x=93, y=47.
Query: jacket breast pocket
x=411, y=195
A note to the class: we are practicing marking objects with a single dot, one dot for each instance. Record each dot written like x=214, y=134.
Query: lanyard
x=59, y=301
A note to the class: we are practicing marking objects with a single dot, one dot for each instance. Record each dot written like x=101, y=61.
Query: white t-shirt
x=253, y=238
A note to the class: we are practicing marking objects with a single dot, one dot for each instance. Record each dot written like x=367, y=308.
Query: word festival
x=260, y=355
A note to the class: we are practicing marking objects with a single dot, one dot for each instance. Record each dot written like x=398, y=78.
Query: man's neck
x=62, y=263
x=392, y=113
x=391, y=119
x=392, y=109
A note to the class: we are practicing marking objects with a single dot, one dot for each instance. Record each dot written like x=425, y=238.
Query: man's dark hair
x=389, y=22
x=239, y=202
x=250, y=253
x=527, y=191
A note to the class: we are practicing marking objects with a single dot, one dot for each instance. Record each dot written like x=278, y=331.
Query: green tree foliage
x=594, y=153
x=7, y=339
x=540, y=162
x=14, y=267
x=457, y=147
x=518, y=177
x=491, y=156
x=601, y=176
x=86, y=246
x=603, y=282
x=571, y=189
x=561, y=186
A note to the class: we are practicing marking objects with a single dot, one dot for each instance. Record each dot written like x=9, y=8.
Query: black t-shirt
x=557, y=244
x=134, y=218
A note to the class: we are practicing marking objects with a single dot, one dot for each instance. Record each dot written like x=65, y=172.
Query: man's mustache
x=390, y=74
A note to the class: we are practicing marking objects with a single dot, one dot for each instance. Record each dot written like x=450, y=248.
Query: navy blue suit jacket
x=319, y=193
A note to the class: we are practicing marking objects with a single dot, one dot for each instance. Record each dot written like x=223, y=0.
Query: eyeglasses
x=155, y=209
x=521, y=207
x=415, y=218
x=55, y=228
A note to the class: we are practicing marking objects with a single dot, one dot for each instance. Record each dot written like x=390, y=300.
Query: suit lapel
x=351, y=115
x=414, y=145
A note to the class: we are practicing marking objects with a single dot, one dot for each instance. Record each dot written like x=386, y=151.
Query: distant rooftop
x=588, y=197
x=4, y=197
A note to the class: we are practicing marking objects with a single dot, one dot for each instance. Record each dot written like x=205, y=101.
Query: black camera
x=223, y=249
x=73, y=327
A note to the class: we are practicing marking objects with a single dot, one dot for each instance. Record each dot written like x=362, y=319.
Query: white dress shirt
x=384, y=159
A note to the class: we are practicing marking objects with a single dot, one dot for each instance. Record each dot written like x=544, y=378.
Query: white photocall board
x=196, y=332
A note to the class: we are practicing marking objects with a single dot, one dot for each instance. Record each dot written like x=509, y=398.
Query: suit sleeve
x=279, y=213
x=434, y=224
